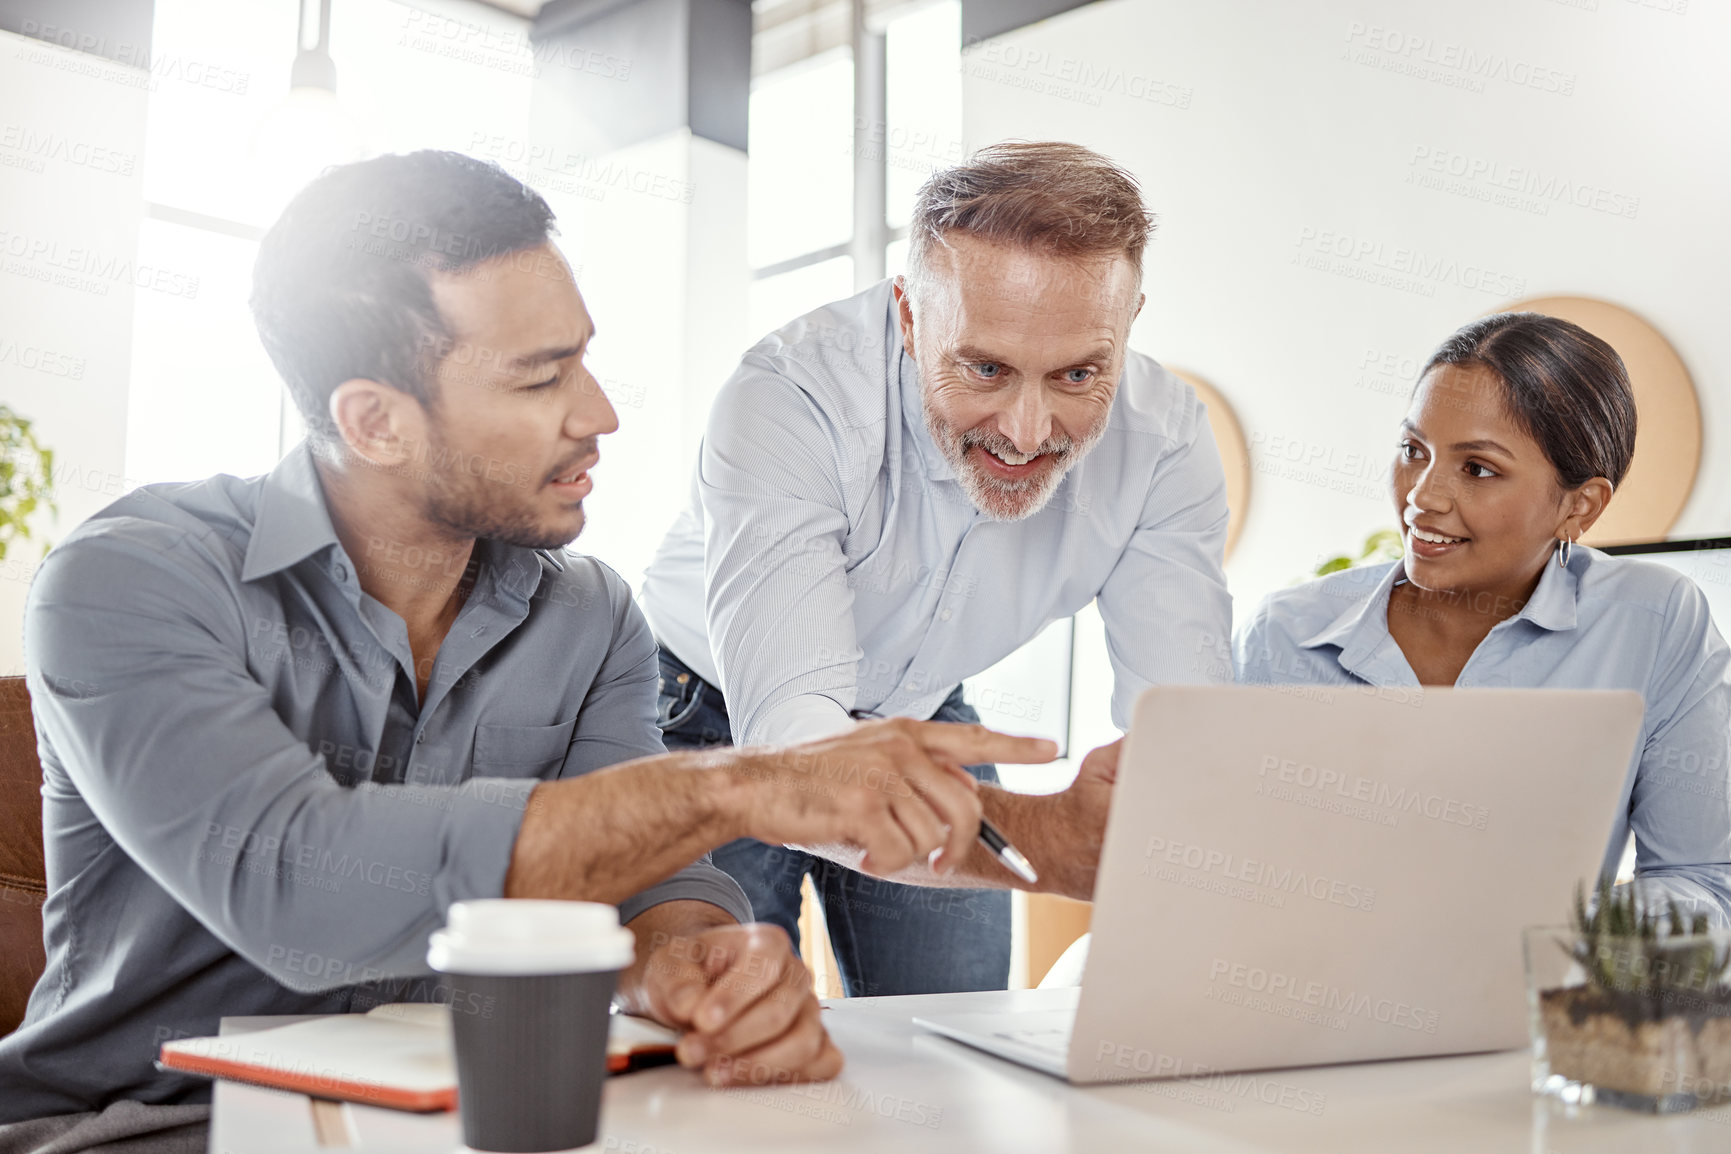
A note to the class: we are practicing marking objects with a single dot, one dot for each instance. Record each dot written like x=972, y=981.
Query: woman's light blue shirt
x=1603, y=623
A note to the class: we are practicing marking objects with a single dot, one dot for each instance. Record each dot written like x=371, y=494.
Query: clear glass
x=220, y=72
x=800, y=168
x=923, y=73
x=203, y=397
x=1652, y=1033
x=778, y=299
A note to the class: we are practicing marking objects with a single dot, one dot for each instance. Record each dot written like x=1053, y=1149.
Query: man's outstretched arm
x=1060, y=833
x=892, y=792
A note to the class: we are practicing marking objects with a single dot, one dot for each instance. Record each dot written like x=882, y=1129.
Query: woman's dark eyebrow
x=1479, y=447
x=1461, y=446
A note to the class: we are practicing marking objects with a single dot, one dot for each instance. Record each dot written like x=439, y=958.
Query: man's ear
x=377, y=423
x=1585, y=505
x=1141, y=299
x=904, y=312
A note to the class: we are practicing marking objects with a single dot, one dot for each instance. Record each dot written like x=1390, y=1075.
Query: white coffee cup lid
x=509, y=936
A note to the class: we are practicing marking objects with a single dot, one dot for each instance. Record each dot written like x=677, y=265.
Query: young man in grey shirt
x=285, y=722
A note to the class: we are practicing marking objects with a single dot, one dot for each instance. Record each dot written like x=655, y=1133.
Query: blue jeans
x=888, y=938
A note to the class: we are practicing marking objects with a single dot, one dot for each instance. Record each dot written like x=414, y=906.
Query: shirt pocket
x=521, y=750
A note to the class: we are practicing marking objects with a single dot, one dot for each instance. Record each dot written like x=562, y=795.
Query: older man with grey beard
x=897, y=490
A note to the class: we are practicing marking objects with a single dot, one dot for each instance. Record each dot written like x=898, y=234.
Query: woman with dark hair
x=1520, y=429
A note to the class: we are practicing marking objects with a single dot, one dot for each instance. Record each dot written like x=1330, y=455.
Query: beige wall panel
x=1668, y=436
x=1234, y=451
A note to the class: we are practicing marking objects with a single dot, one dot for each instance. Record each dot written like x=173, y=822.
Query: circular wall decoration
x=1234, y=452
x=1668, y=426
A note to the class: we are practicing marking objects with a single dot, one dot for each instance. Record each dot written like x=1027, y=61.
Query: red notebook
x=397, y=1055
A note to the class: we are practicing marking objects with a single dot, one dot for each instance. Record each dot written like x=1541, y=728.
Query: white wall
x=72, y=131
x=1263, y=132
x=663, y=272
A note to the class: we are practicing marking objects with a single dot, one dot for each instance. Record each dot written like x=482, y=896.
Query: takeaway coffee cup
x=530, y=1023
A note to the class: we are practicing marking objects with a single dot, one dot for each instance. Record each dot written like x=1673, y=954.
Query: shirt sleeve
x=778, y=605
x=139, y=682
x=1167, y=612
x=617, y=723
x=1252, y=659
x=1680, y=806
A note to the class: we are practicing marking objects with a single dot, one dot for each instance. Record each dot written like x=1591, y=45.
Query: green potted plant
x=1382, y=545
x=26, y=479
x=1631, y=1006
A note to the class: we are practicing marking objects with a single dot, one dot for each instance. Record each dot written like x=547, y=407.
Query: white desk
x=905, y=1090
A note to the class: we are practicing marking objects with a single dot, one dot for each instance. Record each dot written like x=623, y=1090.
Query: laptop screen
x=1706, y=560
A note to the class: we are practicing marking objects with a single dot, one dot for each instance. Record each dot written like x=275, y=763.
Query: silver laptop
x=1306, y=874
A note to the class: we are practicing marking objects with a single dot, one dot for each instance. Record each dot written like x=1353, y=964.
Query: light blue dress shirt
x=1603, y=623
x=829, y=559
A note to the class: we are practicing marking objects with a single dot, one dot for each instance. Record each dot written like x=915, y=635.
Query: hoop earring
x=1565, y=550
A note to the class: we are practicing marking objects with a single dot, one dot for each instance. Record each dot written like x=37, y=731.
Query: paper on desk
x=397, y=1055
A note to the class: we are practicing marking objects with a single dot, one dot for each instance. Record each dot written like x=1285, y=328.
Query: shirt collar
x=1362, y=627
x=292, y=521
x=1552, y=605
x=511, y=573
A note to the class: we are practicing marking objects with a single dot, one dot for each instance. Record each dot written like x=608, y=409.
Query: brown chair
x=23, y=876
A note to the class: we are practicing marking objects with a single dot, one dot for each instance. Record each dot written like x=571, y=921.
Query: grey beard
x=1009, y=500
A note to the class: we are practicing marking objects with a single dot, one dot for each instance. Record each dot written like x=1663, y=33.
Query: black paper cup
x=532, y=985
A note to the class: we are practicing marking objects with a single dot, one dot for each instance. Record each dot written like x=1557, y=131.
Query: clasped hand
x=744, y=1002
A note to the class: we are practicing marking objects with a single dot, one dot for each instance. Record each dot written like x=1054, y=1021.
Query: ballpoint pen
x=990, y=836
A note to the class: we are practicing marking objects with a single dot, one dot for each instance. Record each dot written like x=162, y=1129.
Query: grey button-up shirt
x=245, y=809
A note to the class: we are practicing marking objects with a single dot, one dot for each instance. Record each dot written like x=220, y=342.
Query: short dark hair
x=1049, y=196
x=340, y=288
x=1564, y=386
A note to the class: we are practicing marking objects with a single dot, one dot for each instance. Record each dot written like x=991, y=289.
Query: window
x=924, y=103
x=801, y=170
x=203, y=397
x=222, y=156
x=802, y=159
